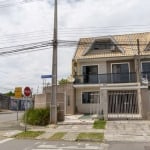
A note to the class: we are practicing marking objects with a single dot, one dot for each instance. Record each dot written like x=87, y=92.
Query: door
x=120, y=73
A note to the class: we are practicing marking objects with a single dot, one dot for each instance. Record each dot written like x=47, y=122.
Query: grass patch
x=57, y=136
x=99, y=124
x=90, y=136
x=28, y=134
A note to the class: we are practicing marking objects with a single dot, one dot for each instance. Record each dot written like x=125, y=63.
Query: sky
x=30, y=21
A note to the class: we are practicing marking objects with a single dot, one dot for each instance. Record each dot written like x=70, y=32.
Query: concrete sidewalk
x=130, y=131
x=133, y=131
x=72, y=131
x=72, y=126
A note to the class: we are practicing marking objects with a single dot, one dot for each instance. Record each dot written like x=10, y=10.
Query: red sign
x=27, y=91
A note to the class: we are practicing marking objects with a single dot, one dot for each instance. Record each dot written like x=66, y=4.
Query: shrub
x=38, y=116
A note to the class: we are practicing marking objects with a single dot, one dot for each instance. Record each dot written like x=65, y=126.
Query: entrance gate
x=123, y=104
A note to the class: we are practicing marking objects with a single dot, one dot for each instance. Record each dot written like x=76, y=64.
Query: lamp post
x=53, y=103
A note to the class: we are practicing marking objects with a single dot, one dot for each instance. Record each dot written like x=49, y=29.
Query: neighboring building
x=65, y=98
x=111, y=76
x=4, y=101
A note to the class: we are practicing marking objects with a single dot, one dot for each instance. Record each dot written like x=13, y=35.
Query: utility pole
x=53, y=103
x=138, y=62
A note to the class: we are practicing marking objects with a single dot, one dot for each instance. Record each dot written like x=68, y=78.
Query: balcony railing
x=106, y=78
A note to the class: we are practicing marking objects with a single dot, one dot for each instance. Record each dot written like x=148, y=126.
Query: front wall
x=145, y=95
x=84, y=108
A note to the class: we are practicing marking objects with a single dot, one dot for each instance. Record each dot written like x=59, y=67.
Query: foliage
x=28, y=134
x=63, y=81
x=57, y=136
x=38, y=116
x=99, y=124
x=10, y=93
x=90, y=136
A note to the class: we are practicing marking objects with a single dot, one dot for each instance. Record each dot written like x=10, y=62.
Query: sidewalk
x=72, y=126
x=130, y=131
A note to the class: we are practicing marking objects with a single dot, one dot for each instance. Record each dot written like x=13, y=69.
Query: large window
x=146, y=70
x=90, y=74
x=120, y=72
x=90, y=97
x=145, y=66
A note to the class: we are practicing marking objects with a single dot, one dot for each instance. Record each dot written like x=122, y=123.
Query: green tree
x=63, y=81
x=10, y=93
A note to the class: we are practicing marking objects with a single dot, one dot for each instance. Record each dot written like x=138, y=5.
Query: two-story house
x=111, y=76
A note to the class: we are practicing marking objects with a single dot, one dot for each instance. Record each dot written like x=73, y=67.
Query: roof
x=127, y=43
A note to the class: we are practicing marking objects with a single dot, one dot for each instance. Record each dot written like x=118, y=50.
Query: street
x=48, y=145
x=8, y=121
x=9, y=144
x=6, y=117
x=129, y=146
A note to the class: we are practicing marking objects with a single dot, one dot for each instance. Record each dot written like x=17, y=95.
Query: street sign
x=46, y=76
x=27, y=91
x=18, y=92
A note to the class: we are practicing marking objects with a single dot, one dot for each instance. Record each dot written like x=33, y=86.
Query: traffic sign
x=27, y=91
x=18, y=92
x=46, y=76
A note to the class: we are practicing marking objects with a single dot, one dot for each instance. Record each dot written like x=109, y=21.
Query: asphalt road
x=6, y=117
x=129, y=146
x=8, y=121
x=47, y=145
x=14, y=144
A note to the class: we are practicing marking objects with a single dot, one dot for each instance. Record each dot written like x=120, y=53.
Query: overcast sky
x=31, y=21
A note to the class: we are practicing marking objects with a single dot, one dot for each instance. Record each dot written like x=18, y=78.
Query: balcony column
x=139, y=99
x=104, y=102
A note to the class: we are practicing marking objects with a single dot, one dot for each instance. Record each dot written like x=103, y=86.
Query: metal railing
x=106, y=78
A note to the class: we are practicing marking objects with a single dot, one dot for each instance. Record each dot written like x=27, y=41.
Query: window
x=120, y=73
x=146, y=70
x=145, y=66
x=90, y=97
x=90, y=74
x=103, y=45
x=68, y=100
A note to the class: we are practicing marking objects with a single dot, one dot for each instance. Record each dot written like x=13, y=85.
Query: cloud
x=33, y=22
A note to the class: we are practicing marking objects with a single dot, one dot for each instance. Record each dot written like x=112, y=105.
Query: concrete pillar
x=104, y=103
x=139, y=99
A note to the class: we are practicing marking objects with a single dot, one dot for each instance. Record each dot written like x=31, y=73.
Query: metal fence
x=123, y=104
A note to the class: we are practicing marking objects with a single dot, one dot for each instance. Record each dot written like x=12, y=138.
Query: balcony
x=106, y=78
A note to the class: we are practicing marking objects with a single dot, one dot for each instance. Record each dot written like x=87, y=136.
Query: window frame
x=121, y=63
x=89, y=92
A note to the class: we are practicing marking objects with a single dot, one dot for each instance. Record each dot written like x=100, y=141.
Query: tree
x=63, y=81
x=10, y=93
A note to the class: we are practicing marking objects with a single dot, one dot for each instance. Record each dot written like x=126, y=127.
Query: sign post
x=27, y=93
x=18, y=94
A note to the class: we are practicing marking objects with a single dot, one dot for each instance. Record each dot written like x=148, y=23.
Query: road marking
x=6, y=140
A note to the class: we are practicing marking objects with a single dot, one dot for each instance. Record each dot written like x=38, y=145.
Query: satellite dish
x=71, y=79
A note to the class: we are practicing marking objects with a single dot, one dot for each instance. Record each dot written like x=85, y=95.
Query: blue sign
x=46, y=76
